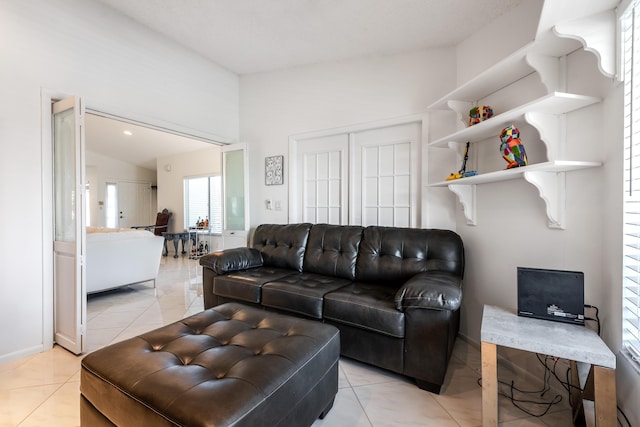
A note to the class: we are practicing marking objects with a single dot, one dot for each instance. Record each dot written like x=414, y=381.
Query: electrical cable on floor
x=518, y=401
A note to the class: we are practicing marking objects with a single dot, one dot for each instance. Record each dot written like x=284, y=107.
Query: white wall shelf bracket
x=467, y=196
x=461, y=108
x=549, y=126
x=551, y=187
x=549, y=70
x=597, y=34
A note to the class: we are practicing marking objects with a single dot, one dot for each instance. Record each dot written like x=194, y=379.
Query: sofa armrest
x=232, y=260
x=433, y=289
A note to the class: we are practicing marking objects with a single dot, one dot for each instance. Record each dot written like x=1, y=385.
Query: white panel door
x=134, y=204
x=322, y=178
x=385, y=165
x=69, y=223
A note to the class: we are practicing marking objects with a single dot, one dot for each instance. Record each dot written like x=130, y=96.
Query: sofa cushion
x=232, y=260
x=393, y=255
x=247, y=285
x=301, y=293
x=282, y=246
x=332, y=250
x=367, y=306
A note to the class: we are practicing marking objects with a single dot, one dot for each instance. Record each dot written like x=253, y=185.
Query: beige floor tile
x=524, y=422
x=62, y=409
x=17, y=404
x=56, y=366
x=460, y=378
x=101, y=337
x=108, y=320
x=359, y=373
x=468, y=354
x=401, y=404
x=558, y=419
x=346, y=412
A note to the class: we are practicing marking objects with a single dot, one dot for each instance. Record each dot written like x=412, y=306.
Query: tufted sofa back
x=332, y=250
x=393, y=255
x=282, y=246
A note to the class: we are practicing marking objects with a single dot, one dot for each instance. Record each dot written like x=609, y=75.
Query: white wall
x=83, y=48
x=101, y=169
x=276, y=105
x=203, y=162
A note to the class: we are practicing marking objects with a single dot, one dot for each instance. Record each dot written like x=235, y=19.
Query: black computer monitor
x=556, y=295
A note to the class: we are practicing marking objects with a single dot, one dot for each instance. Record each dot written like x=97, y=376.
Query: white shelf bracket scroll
x=552, y=187
x=461, y=108
x=467, y=196
x=549, y=126
x=549, y=69
x=597, y=34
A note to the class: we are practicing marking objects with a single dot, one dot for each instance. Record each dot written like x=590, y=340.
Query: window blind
x=203, y=200
x=630, y=44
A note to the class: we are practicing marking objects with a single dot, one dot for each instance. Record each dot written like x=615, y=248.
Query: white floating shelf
x=510, y=69
x=553, y=103
x=515, y=173
x=506, y=71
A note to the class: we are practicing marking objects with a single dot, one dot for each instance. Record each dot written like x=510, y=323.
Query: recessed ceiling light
x=128, y=132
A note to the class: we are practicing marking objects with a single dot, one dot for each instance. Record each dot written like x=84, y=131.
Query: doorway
x=48, y=193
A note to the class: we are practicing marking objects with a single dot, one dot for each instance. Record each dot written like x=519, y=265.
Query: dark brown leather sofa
x=394, y=293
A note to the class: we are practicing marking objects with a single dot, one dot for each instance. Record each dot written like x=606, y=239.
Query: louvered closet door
x=322, y=180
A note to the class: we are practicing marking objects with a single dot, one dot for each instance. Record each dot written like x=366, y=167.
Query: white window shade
x=631, y=253
x=203, y=201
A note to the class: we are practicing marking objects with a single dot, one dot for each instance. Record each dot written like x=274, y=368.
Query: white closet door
x=385, y=165
x=322, y=190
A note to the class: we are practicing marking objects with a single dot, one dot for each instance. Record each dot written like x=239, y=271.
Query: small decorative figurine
x=480, y=114
x=463, y=170
x=511, y=147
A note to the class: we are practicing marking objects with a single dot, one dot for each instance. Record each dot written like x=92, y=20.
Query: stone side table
x=578, y=344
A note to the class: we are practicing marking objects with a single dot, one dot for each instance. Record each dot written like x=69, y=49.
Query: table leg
x=605, y=396
x=175, y=246
x=166, y=250
x=489, y=385
x=575, y=394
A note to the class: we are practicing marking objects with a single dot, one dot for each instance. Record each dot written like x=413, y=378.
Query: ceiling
x=250, y=36
x=106, y=136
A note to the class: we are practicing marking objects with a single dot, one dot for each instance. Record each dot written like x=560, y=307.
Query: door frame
x=47, y=96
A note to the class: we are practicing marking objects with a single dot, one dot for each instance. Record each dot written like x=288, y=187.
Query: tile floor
x=43, y=389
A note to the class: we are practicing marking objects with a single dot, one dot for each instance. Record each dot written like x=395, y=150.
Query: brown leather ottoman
x=229, y=365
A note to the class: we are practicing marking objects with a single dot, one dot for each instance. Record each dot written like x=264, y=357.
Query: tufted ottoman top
x=229, y=365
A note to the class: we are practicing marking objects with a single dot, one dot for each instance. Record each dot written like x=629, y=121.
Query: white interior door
x=134, y=204
x=69, y=223
x=322, y=177
x=364, y=176
x=235, y=196
x=385, y=165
